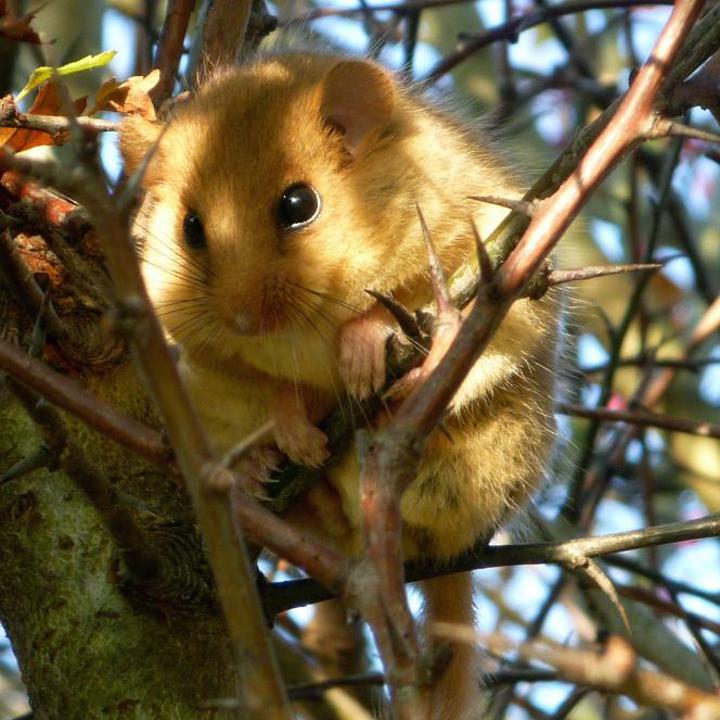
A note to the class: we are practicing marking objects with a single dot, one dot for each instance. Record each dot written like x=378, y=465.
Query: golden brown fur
x=277, y=325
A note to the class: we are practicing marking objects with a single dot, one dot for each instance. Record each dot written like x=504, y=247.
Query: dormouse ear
x=357, y=98
x=137, y=137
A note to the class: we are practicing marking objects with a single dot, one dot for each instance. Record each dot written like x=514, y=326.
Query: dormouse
x=276, y=196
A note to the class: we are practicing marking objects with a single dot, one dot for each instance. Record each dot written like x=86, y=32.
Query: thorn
x=487, y=271
x=526, y=207
x=437, y=276
x=596, y=574
x=407, y=321
x=559, y=277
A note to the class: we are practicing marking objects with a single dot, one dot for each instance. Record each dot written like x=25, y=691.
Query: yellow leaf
x=89, y=62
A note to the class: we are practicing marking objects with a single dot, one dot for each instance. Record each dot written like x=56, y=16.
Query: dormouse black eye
x=193, y=230
x=299, y=205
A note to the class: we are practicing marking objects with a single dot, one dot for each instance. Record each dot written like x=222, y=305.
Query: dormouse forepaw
x=362, y=356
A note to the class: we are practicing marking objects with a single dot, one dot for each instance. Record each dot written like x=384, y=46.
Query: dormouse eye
x=193, y=230
x=299, y=205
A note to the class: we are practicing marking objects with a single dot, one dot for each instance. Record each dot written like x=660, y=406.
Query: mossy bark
x=88, y=646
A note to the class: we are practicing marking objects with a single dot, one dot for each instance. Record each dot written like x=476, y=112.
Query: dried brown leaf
x=130, y=97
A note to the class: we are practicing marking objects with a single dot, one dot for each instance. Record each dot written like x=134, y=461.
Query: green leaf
x=89, y=62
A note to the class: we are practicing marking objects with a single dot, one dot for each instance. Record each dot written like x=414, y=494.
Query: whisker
x=178, y=271
x=327, y=296
x=171, y=245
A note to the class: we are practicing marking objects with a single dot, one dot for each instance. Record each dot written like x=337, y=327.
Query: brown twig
x=56, y=125
x=170, y=48
x=671, y=128
x=406, y=7
x=224, y=34
x=642, y=418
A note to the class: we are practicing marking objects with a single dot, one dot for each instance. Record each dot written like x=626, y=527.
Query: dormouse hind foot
x=294, y=433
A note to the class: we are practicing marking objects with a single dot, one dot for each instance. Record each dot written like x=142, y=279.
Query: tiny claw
x=254, y=470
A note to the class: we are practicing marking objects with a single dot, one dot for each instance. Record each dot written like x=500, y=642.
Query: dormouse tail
x=456, y=693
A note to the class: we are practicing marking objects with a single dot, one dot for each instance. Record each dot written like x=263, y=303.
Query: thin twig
x=511, y=29
x=642, y=419
x=170, y=48
x=56, y=125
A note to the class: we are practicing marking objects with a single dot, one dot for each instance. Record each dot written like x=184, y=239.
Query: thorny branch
x=391, y=459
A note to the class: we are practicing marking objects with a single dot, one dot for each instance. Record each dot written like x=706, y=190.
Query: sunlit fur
x=257, y=313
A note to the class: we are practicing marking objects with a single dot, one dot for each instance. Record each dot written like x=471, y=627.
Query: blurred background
x=627, y=336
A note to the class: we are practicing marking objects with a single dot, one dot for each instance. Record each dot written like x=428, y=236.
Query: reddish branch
x=56, y=211
x=634, y=117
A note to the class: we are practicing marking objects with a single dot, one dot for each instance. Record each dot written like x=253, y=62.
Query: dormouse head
x=272, y=198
